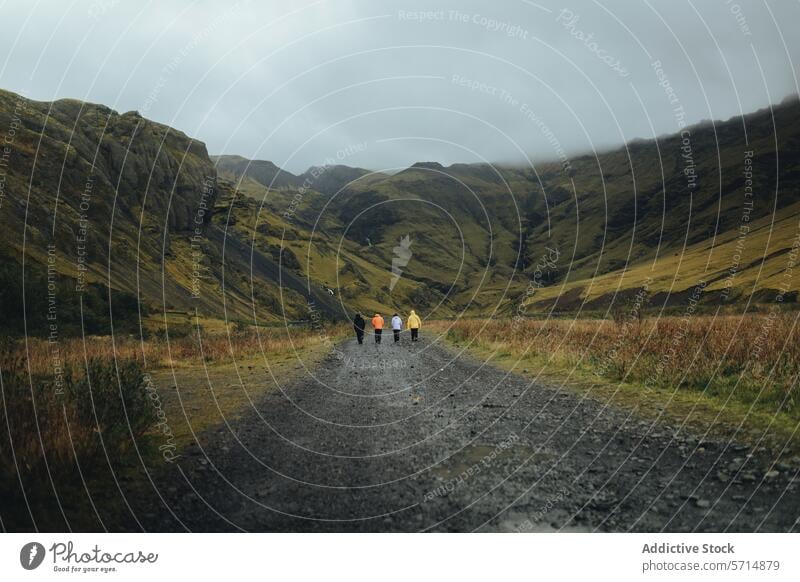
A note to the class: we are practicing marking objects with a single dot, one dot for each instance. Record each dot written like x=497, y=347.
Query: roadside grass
x=205, y=394
x=200, y=377
x=164, y=349
x=77, y=415
x=59, y=432
x=727, y=377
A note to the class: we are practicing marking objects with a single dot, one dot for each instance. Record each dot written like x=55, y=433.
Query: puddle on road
x=485, y=457
x=521, y=520
x=521, y=524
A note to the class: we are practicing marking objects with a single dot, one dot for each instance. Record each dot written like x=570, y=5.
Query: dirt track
x=437, y=441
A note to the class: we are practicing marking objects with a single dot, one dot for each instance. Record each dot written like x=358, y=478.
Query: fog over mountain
x=385, y=84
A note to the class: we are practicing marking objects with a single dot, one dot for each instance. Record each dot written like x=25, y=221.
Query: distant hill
x=265, y=173
x=715, y=206
x=141, y=209
x=324, y=179
x=331, y=179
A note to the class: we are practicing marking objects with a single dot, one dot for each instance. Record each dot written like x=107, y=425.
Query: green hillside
x=143, y=221
x=101, y=209
x=642, y=220
x=716, y=205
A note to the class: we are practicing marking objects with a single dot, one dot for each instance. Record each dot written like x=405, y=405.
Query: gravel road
x=415, y=437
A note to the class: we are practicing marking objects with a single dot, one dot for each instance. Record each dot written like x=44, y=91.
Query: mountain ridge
x=477, y=233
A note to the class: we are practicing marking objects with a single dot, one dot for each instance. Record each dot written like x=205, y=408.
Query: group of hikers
x=414, y=323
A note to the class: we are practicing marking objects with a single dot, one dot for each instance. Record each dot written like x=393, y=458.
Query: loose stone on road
x=417, y=437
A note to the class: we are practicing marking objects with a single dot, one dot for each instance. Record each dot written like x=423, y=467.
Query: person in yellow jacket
x=377, y=325
x=414, y=323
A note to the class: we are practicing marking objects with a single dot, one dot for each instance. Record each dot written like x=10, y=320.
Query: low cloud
x=445, y=81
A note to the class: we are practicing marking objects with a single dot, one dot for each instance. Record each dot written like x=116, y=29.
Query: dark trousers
x=378, y=333
x=360, y=337
x=396, y=333
x=414, y=334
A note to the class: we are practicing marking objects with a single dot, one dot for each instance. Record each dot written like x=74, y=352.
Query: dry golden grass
x=198, y=395
x=763, y=346
x=741, y=368
x=163, y=351
x=50, y=421
x=71, y=403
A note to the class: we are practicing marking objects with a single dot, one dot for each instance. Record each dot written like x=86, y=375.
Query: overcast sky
x=385, y=84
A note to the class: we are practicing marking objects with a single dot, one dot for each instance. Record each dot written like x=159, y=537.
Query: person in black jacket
x=358, y=325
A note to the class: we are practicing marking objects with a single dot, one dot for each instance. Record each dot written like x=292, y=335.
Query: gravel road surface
x=416, y=437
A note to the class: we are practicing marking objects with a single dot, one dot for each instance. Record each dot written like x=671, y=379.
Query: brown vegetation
x=71, y=411
x=750, y=359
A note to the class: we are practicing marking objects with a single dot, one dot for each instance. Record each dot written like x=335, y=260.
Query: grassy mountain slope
x=115, y=209
x=641, y=220
x=715, y=205
x=126, y=204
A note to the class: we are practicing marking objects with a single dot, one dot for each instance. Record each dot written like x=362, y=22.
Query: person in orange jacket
x=377, y=325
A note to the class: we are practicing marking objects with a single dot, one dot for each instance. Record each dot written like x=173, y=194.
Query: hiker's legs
x=396, y=335
x=414, y=334
x=360, y=337
x=378, y=333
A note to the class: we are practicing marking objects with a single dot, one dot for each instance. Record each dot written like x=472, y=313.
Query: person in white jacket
x=397, y=325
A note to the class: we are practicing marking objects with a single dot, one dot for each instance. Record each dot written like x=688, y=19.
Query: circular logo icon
x=31, y=555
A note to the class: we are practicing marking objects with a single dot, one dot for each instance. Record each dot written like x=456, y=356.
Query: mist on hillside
x=511, y=83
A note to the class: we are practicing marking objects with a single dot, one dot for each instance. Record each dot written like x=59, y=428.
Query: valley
x=141, y=210
x=650, y=300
